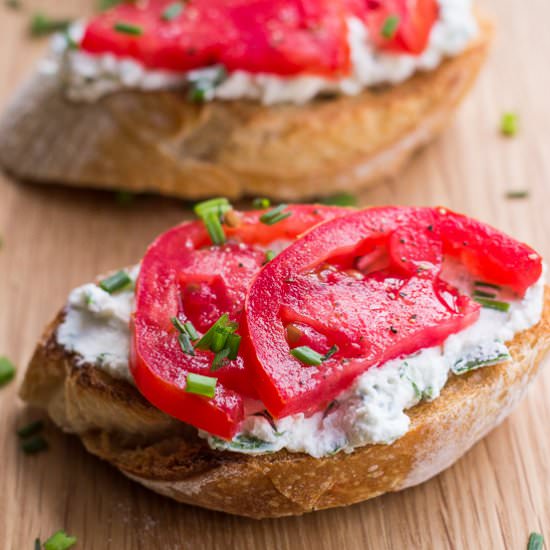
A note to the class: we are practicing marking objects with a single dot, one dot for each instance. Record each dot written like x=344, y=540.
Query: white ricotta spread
x=89, y=77
x=371, y=411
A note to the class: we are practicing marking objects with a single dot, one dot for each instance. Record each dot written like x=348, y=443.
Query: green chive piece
x=340, y=199
x=509, y=124
x=201, y=385
x=488, y=285
x=334, y=349
x=34, y=445
x=222, y=324
x=261, y=203
x=493, y=304
x=180, y=327
x=233, y=344
x=13, y=4
x=30, y=429
x=172, y=11
x=276, y=215
x=269, y=255
x=519, y=194
x=42, y=25
x=219, y=359
x=219, y=338
x=389, y=28
x=124, y=198
x=185, y=343
x=59, y=541
x=104, y=5
x=211, y=212
x=307, y=355
x=128, y=28
x=484, y=294
x=191, y=331
x=197, y=94
x=37, y=544
x=7, y=371
x=114, y=283
x=536, y=542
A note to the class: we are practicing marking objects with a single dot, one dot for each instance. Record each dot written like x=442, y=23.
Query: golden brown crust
x=158, y=142
x=118, y=425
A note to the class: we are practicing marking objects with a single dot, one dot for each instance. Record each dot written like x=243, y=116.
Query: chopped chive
x=488, y=285
x=269, y=255
x=128, y=28
x=185, y=343
x=219, y=359
x=42, y=25
x=340, y=199
x=233, y=344
x=219, y=338
x=180, y=327
x=104, y=5
x=196, y=94
x=172, y=11
x=509, y=124
x=34, y=445
x=276, y=215
x=224, y=324
x=219, y=205
x=211, y=213
x=334, y=349
x=261, y=202
x=124, y=198
x=536, y=542
x=191, y=330
x=7, y=371
x=201, y=385
x=59, y=541
x=116, y=282
x=30, y=429
x=389, y=28
x=493, y=304
x=307, y=355
x=484, y=294
x=519, y=194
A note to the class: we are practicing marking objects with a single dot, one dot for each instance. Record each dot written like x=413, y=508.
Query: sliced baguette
x=118, y=425
x=161, y=143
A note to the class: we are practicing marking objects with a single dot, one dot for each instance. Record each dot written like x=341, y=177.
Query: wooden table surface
x=55, y=239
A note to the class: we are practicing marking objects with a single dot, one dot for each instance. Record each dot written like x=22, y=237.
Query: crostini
x=290, y=98
x=296, y=358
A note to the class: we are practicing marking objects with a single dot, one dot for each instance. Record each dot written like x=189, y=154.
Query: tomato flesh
x=372, y=314
x=183, y=276
x=282, y=37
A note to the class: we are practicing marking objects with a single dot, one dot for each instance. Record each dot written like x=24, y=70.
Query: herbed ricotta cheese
x=373, y=410
x=89, y=77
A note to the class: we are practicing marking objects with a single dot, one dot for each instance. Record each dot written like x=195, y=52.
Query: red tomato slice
x=284, y=37
x=394, y=307
x=414, y=22
x=182, y=276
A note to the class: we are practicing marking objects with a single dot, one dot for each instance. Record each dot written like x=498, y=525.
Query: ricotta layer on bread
x=89, y=77
x=372, y=411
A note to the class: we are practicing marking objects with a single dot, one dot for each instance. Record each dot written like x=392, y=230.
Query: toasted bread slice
x=117, y=424
x=161, y=143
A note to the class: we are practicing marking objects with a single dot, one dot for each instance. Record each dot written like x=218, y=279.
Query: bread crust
x=159, y=142
x=117, y=424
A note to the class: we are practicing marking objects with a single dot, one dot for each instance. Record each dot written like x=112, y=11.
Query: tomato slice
x=414, y=20
x=183, y=276
x=283, y=37
x=323, y=292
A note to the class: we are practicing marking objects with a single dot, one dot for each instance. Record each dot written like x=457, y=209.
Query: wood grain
x=56, y=238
